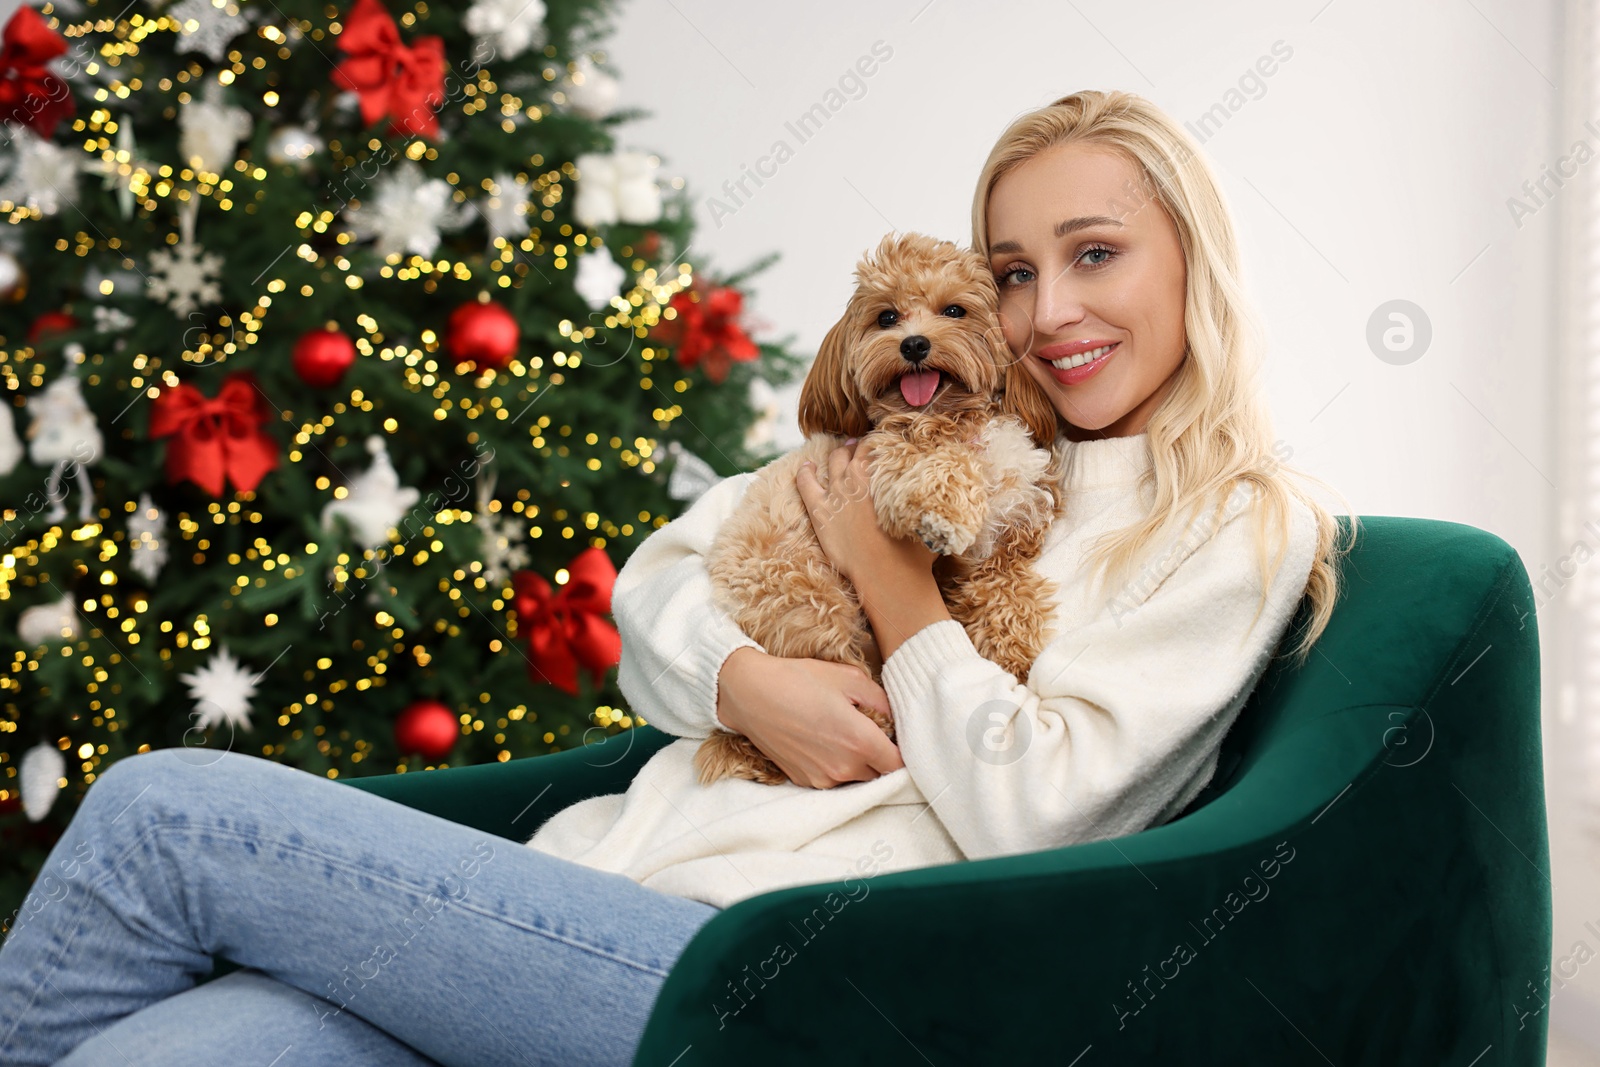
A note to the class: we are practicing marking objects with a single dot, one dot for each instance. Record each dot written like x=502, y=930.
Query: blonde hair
x=1212, y=433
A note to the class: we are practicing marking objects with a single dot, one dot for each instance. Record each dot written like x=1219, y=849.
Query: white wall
x=1375, y=164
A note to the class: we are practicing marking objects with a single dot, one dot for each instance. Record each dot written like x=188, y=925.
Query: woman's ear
x=1024, y=399
x=828, y=402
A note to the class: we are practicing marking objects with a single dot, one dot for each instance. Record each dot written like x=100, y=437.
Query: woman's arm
x=679, y=669
x=674, y=636
x=1122, y=715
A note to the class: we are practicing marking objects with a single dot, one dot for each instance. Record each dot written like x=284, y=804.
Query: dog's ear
x=1023, y=398
x=828, y=402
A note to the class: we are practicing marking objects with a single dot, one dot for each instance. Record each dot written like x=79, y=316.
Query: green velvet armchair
x=1365, y=880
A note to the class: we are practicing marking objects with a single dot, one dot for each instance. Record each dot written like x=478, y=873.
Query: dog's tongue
x=917, y=386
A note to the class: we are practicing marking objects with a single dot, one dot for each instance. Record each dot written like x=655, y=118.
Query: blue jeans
x=368, y=932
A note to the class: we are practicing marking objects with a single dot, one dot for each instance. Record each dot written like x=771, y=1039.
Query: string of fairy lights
x=127, y=625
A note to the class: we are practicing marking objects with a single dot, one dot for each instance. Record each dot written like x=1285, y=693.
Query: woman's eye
x=888, y=318
x=1005, y=277
x=1107, y=252
x=955, y=311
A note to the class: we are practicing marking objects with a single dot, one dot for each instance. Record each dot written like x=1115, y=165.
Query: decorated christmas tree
x=347, y=353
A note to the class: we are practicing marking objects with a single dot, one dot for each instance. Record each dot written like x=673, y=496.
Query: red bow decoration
x=404, y=83
x=705, y=328
x=31, y=94
x=568, y=628
x=216, y=436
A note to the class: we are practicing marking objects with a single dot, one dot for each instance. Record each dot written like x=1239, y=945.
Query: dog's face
x=921, y=334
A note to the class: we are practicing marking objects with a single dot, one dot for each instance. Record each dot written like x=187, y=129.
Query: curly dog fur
x=963, y=472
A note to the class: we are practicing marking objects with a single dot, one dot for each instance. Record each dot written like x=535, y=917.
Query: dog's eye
x=888, y=318
x=955, y=311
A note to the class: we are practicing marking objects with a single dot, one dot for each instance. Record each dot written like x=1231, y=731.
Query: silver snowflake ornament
x=145, y=541
x=502, y=549
x=185, y=278
x=215, y=25
x=221, y=690
x=375, y=501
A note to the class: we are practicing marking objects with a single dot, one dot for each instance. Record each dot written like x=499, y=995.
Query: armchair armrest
x=511, y=799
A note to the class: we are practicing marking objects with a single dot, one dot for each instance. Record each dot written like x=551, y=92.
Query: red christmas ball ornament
x=650, y=244
x=48, y=323
x=427, y=728
x=485, y=333
x=322, y=356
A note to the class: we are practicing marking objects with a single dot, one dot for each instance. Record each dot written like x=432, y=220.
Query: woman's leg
x=468, y=947
x=244, y=1017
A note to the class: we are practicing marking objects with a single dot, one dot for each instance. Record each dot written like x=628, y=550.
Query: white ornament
x=145, y=528
x=620, y=187
x=506, y=212
x=764, y=399
x=502, y=549
x=48, y=624
x=184, y=278
x=407, y=211
x=591, y=91
x=109, y=163
x=293, y=146
x=690, y=476
x=40, y=175
x=62, y=435
x=63, y=427
x=42, y=772
x=511, y=27
x=599, y=278
x=211, y=130
x=111, y=320
x=375, y=501
x=12, y=276
x=113, y=168
x=10, y=443
x=502, y=554
x=215, y=25
x=222, y=689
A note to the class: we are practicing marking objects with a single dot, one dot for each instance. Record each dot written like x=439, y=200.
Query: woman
x=1105, y=232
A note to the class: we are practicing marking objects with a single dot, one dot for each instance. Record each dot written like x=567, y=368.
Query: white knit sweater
x=1117, y=729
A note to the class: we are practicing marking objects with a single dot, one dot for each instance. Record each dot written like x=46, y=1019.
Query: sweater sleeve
x=1122, y=711
x=674, y=637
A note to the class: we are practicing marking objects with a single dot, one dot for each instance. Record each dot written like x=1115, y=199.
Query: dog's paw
x=942, y=535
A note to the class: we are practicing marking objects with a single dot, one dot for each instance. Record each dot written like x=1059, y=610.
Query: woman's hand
x=803, y=715
x=846, y=522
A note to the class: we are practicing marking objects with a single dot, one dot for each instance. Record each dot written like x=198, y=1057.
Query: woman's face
x=1081, y=256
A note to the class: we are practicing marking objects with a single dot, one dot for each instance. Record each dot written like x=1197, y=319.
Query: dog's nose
x=915, y=348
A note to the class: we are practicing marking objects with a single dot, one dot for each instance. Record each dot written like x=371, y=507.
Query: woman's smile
x=1073, y=363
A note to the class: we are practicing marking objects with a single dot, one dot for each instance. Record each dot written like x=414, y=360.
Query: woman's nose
x=1057, y=303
